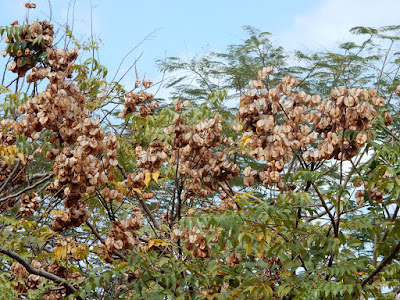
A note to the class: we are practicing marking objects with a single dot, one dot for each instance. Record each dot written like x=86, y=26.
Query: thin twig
x=141, y=200
x=28, y=188
x=4, y=185
x=69, y=287
x=96, y=233
x=383, y=264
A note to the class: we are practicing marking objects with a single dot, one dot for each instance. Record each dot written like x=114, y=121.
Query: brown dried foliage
x=198, y=151
x=122, y=235
x=82, y=154
x=281, y=123
x=27, y=58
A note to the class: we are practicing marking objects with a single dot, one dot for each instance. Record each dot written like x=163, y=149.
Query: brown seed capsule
x=233, y=259
x=378, y=101
x=388, y=118
x=275, y=176
x=361, y=138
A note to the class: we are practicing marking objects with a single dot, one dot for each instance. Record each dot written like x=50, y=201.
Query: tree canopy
x=266, y=175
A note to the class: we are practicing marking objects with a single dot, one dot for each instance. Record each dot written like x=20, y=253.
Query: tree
x=108, y=193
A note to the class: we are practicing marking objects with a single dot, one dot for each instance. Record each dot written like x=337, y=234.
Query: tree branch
x=10, y=177
x=326, y=208
x=70, y=288
x=96, y=233
x=31, y=187
x=383, y=264
x=141, y=200
x=147, y=210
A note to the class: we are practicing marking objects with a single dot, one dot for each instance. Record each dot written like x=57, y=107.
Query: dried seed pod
x=233, y=259
x=378, y=101
x=361, y=138
x=147, y=83
x=388, y=118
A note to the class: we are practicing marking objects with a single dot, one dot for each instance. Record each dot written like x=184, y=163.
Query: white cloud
x=330, y=21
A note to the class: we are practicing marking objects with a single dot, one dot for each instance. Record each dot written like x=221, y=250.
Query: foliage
x=108, y=193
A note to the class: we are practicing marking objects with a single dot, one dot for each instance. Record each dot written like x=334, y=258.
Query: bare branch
x=10, y=177
x=96, y=233
x=31, y=187
x=69, y=287
x=383, y=264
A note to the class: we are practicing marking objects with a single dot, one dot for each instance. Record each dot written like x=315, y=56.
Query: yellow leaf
x=262, y=245
x=285, y=274
x=147, y=178
x=57, y=253
x=191, y=211
x=123, y=191
x=60, y=252
x=12, y=159
x=267, y=238
x=248, y=248
x=222, y=273
x=358, y=273
x=150, y=244
x=137, y=190
x=9, y=159
x=12, y=150
x=156, y=175
x=268, y=290
x=234, y=294
x=245, y=141
x=56, y=212
x=260, y=235
x=160, y=242
x=21, y=157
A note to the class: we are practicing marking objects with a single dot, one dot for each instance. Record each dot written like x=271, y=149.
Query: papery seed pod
x=178, y=105
x=371, y=93
x=357, y=183
x=11, y=66
x=378, y=101
x=388, y=118
x=281, y=185
x=248, y=181
x=257, y=84
x=361, y=138
x=247, y=171
x=315, y=100
x=148, y=195
x=269, y=70
x=349, y=101
x=275, y=176
x=147, y=83
x=233, y=259
x=329, y=149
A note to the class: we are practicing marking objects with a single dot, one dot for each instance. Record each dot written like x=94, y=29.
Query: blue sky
x=186, y=28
